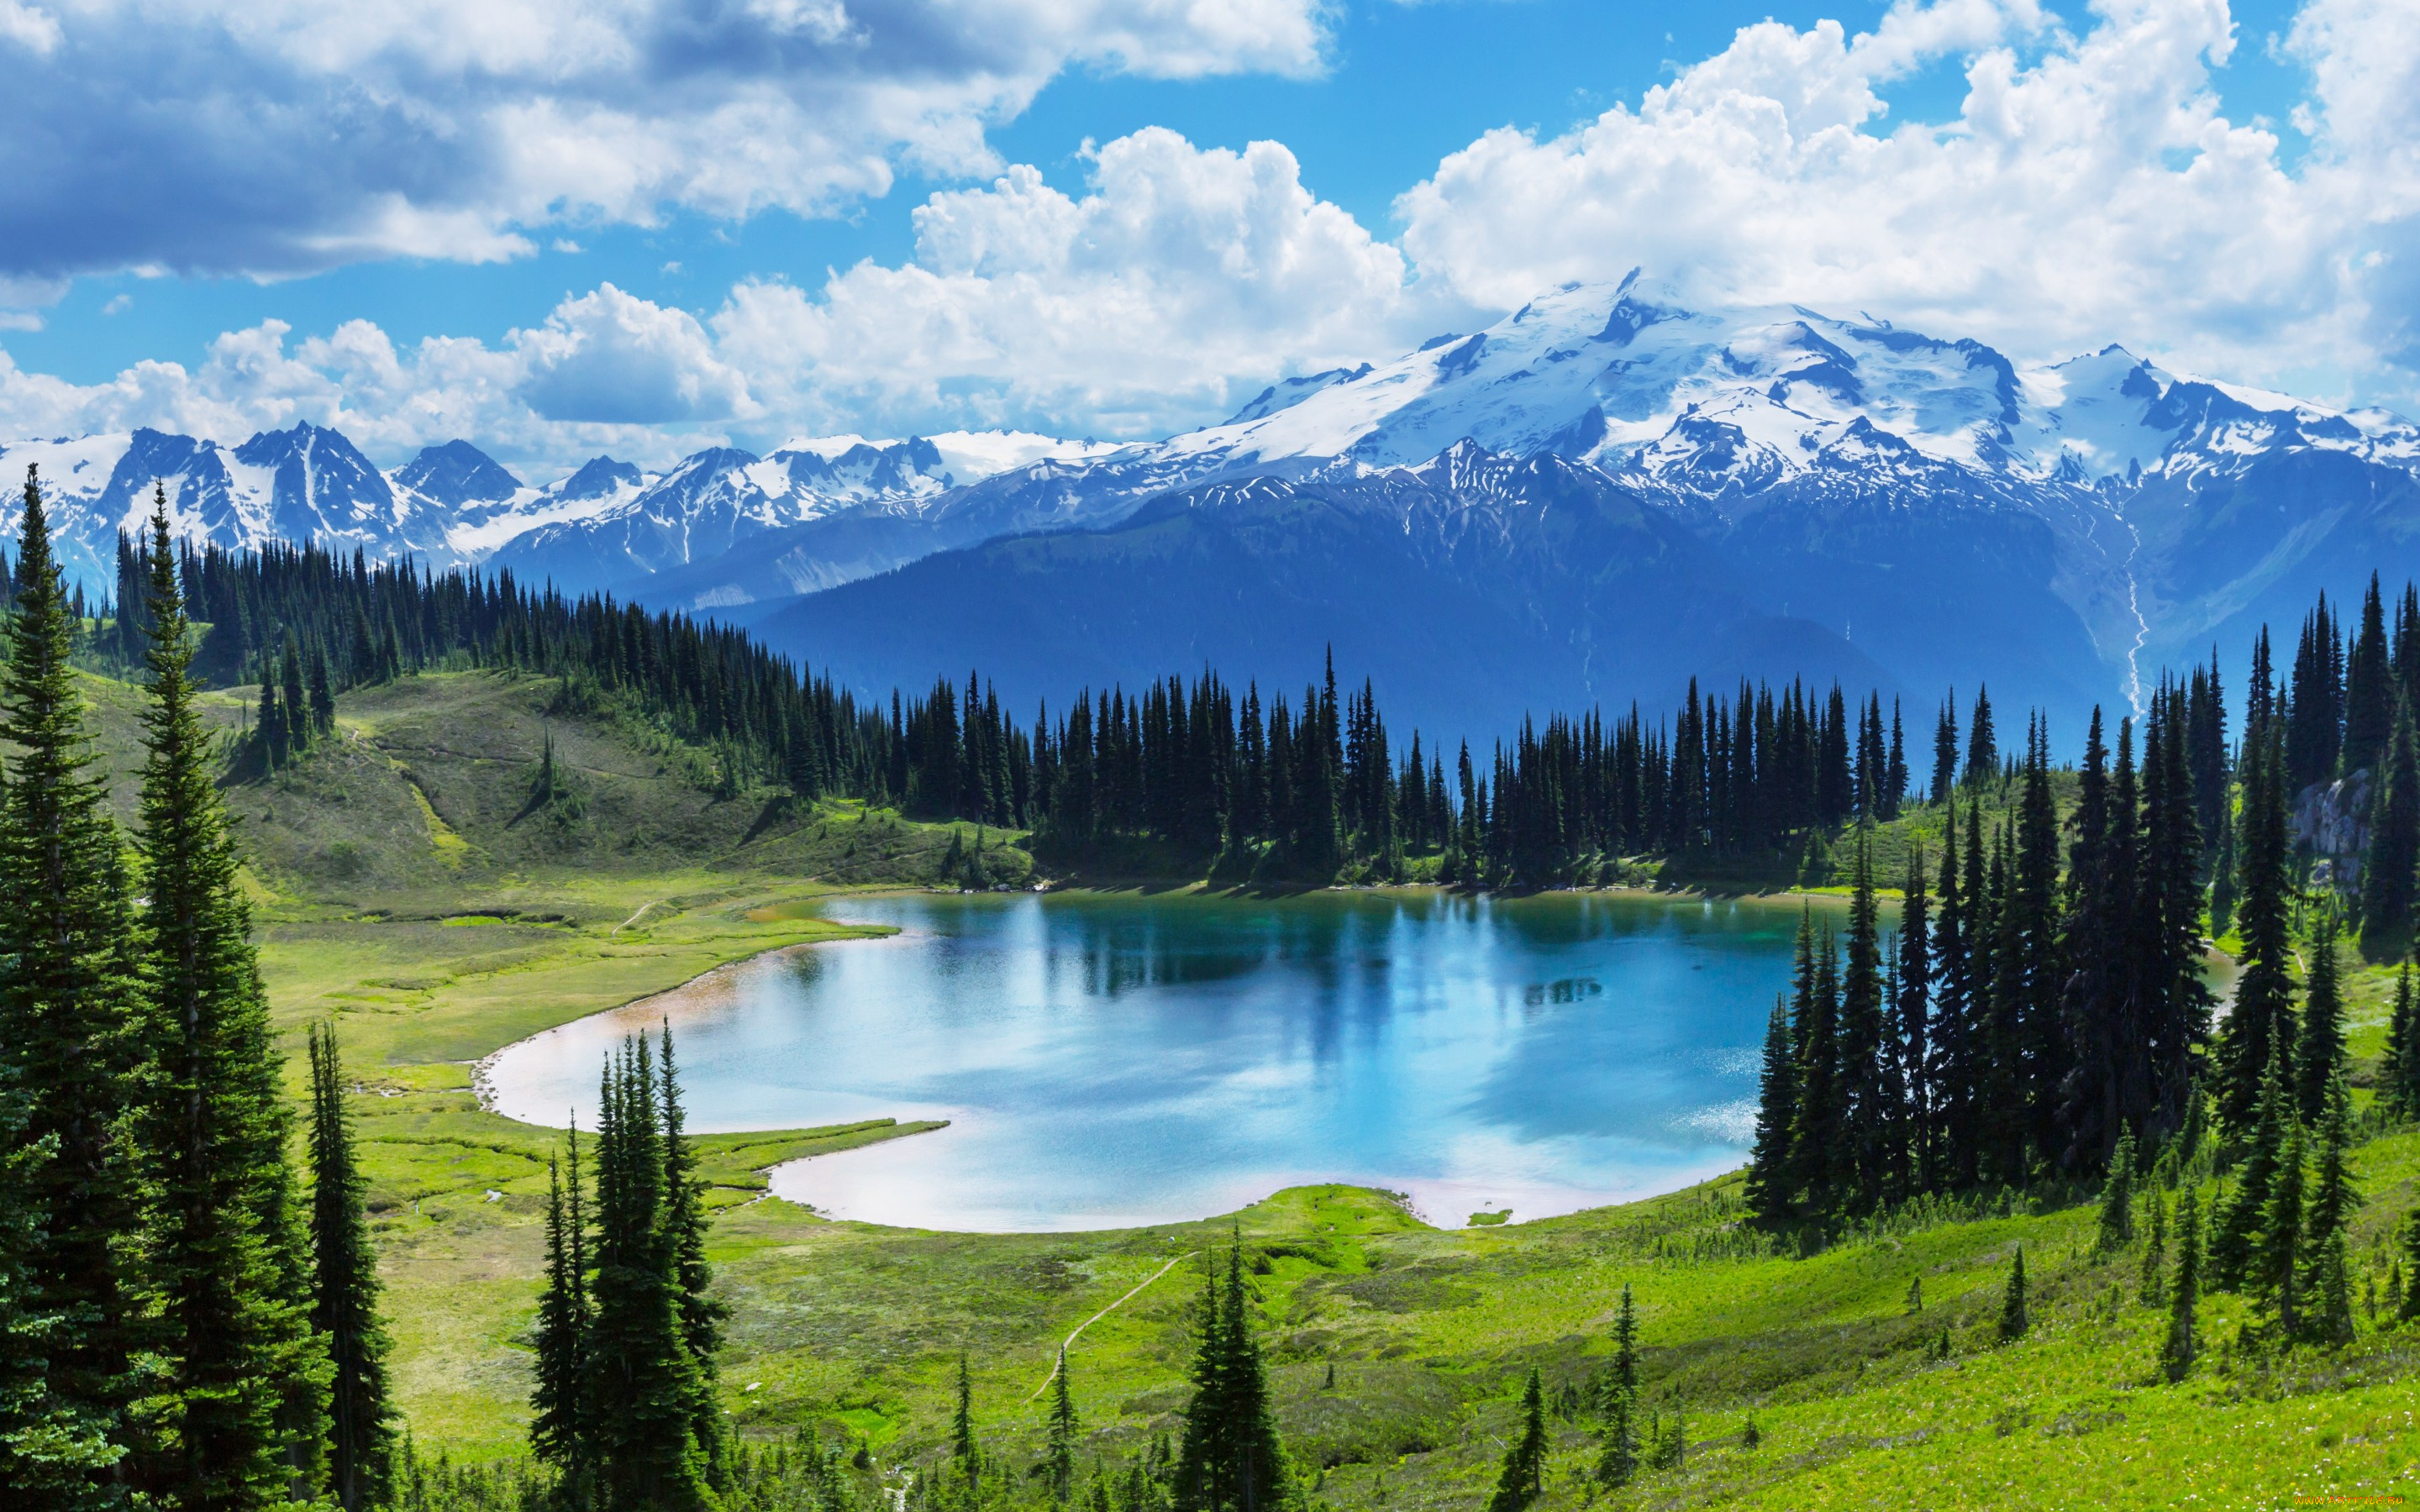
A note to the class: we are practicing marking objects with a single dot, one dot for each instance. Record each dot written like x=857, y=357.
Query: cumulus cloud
x=2091, y=187
x=1133, y=309
x=282, y=136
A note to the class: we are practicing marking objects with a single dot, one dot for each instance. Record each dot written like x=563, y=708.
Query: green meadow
x=408, y=886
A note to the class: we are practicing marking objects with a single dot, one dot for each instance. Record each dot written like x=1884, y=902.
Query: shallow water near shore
x=1109, y=1060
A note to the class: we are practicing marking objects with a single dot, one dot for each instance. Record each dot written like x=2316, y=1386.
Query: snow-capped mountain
x=451, y=504
x=1782, y=488
x=2063, y=531
x=307, y=483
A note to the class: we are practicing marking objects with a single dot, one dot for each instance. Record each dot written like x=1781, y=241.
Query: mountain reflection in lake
x=1120, y=1060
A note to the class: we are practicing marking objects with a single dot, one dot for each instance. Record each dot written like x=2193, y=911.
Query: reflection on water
x=1109, y=1060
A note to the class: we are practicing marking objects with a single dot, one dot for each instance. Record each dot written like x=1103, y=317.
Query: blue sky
x=723, y=319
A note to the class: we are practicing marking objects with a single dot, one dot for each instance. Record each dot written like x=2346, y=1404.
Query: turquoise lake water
x=1107, y=1061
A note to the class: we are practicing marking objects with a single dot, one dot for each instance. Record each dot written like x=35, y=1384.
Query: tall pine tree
x=238, y=1414
x=67, y=1026
x=344, y=1313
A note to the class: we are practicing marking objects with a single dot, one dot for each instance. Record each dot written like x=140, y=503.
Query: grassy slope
x=402, y=889
x=404, y=885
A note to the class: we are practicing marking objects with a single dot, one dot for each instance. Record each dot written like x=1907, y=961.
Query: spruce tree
x=2262, y=1019
x=2410, y=1311
x=2276, y=1272
x=1983, y=748
x=2117, y=1198
x=55, y=1450
x=2369, y=687
x=2237, y=1228
x=1231, y=1460
x=1618, y=1460
x=1769, y=1165
x=1913, y=968
x=1869, y=1114
x=239, y=1410
x=1521, y=1481
x=2390, y=869
x=344, y=1312
x=2155, y=1286
x=642, y=1379
x=296, y=706
x=1945, y=749
x=2319, y=1053
x=2177, y=1350
x=2398, y=1089
x=702, y=1316
x=2013, y=1322
x=1059, y=1456
x=560, y=1433
x=68, y=1028
x=963, y=1448
x=2327, y=1287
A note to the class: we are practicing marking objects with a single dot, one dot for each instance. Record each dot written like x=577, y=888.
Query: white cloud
x=1132, y=309
x=2091, y=189
x=282, y=136
x=607, y=358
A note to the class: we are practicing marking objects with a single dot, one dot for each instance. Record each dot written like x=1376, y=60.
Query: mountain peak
x=457, y=473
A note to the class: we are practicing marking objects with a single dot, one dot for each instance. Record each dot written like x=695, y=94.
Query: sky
x=643, y=226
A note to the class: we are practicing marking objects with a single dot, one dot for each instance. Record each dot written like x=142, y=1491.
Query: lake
x=1119, y=1059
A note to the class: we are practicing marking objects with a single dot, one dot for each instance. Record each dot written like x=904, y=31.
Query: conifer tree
x=1983, y=748
x=2013, y=1322
x=55, y=1450
x=1231, y=1460
x=2262, y=1019
x=2319, y=1053
x=1521, y=1481
x=2327, y=1286
x=2410, y=1311
x=1913, y=968
x=2398, y=1089
x=2236, y=1229
x=2177, y=1350
x=1061, y=1429
x=560, y=1433
x=642, y=1378
x=1769, y=1165
x=2369, y=687
x=2276, y=1274
x=296, y=706
x=1618, y=1460
x=2154, y=1288
x=1945, y=749
x=963, y=1448
x=702, y=1315
x=2390, y=869
x=2117, y=1198
x=239, y=1410
x=269, y=729
x=1869, y=1114
x=68, y=1029
x=344, y=1311
x=1818, y=1157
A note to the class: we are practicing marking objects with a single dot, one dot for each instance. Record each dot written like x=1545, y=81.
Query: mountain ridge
x=1830, y=468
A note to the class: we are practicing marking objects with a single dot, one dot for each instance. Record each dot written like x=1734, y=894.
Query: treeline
x=186, y=1319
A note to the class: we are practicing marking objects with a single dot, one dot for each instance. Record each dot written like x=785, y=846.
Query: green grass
x=404, y=886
